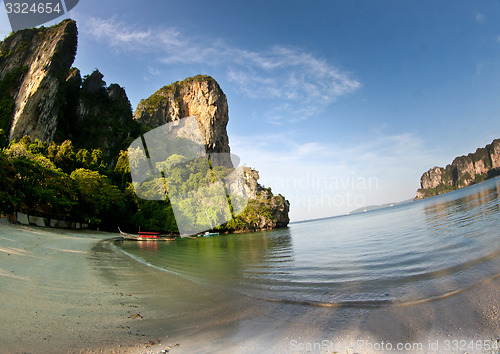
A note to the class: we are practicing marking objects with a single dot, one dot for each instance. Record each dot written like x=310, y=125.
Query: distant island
x=462, y=172
x=376, y=207
x=64, y=140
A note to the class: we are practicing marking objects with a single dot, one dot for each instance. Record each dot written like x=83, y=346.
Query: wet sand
x=52, y=299
x=66, y=291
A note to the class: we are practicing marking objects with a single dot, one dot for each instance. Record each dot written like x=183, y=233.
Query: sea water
x=407, y=253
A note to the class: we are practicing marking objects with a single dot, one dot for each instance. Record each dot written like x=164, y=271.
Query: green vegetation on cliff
x=431, y=192
x=155, y=100
x=9, y=82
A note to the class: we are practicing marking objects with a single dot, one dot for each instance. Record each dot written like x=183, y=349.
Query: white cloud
x=154, y=71
x=296, y=75
x=324, y=179
x=123, y=37
x=280, y=73
x=479, y=17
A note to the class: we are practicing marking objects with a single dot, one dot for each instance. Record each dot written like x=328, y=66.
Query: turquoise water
x=406, y=253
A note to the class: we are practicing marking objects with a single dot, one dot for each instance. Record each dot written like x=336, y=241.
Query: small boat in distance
x=147, y=236
x=208, y=233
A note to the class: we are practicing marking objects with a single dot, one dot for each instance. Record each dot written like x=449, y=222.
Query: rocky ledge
x=463, y=171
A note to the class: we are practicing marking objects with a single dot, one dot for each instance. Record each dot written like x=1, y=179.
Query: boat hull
x=208, y=234
x=149, y=237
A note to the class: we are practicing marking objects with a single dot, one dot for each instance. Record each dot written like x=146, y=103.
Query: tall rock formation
x=39, y=60
x=463, y=171
x=96, y=116
x=202, y=97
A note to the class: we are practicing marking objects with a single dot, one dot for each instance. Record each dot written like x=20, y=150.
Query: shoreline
x=52, y=299
x=70, y=291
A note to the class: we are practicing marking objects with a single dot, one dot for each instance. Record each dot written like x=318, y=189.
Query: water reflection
x=416, y=251
x=220, y=260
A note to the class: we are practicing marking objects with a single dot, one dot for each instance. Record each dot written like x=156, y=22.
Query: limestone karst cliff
x=95, y=116
x=199, y=96
x=202, y=97
x=462, y=172
x=33, y=65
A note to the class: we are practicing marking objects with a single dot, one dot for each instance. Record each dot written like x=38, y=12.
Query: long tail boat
x=147, y=236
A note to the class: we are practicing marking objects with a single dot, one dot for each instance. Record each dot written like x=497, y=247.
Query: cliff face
x=40, y=60
x=95, y=116
x=202, y=97
x=463, y=171
x=279, y=207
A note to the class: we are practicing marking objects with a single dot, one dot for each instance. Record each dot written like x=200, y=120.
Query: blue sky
x=338, y=104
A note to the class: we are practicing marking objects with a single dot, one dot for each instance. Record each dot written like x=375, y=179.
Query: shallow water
x=402, y=254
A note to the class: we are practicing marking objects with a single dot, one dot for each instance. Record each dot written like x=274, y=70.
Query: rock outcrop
x=202, y=97
x=252, y=188
x=95, y=116
x=463, y=171
x=278, y=205
x=40, y=60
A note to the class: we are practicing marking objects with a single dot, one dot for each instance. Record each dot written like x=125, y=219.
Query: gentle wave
x=407, y=254
x=381, y=303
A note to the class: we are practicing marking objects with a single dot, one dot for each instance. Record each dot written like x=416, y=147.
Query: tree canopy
x=63, y=182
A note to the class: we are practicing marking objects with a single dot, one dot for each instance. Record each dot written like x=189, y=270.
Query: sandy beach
x=66, y=291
